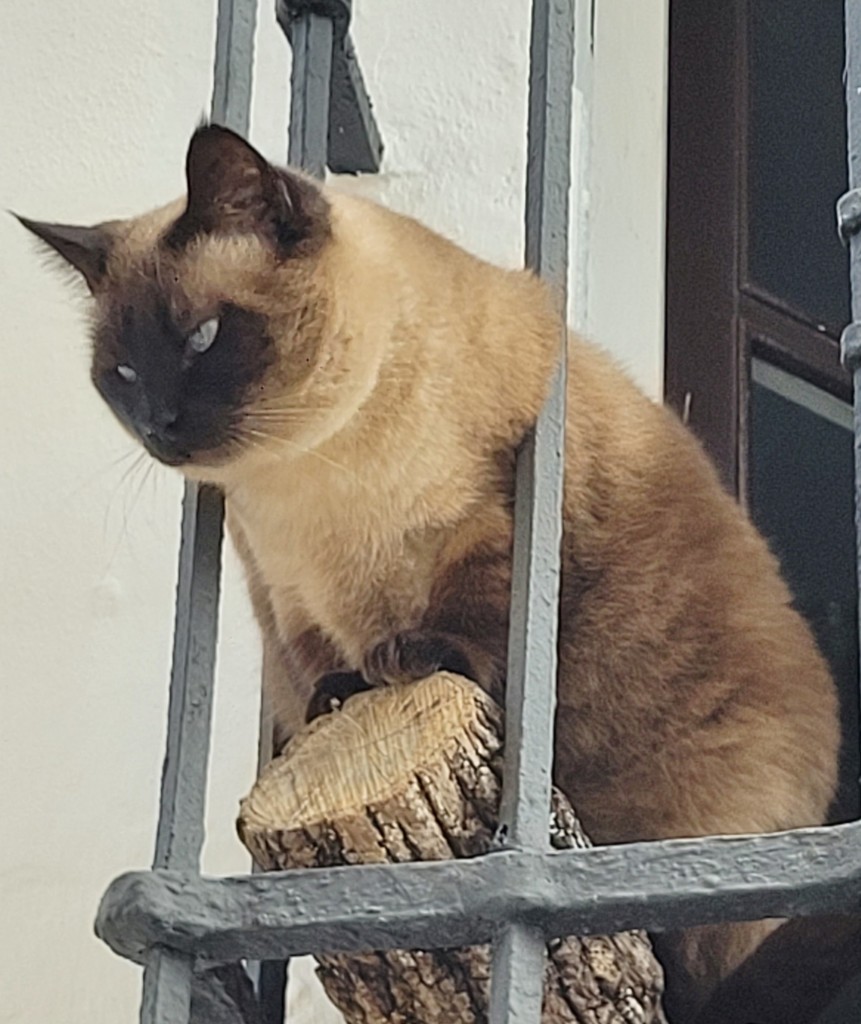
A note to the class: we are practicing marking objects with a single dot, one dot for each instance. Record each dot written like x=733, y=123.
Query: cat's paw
x=331, y=691
x=416, y=654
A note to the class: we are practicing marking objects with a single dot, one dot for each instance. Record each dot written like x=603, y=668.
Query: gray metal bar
x=601, y=890
x=168, y=979
x=179, y=838
x=234, y=64
x=531, y=684
x=167, y=985
x=849, y=225
x=848, y=206
x=312, y=38
x=519, y=954
x=517, y=982
x=355, y=144
x=180, y=827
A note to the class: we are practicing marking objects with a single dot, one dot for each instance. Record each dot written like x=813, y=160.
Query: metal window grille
x=523, y=894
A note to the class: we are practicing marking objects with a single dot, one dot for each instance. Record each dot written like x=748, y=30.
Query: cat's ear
x=84, y=249
x=232, y=189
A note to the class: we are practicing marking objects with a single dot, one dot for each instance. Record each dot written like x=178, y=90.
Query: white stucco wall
x=96, y=104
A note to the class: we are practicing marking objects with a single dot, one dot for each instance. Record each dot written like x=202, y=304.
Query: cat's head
x=210, y=316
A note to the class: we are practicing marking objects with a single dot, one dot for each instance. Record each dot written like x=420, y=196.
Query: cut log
x=413, y=773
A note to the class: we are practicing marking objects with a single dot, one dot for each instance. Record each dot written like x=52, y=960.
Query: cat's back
x=686, y=658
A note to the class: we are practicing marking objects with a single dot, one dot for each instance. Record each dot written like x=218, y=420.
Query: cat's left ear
x=232, y=189
x=84, y=249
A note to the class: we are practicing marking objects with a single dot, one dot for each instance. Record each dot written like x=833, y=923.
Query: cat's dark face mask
x=185, y=324
x=181, y=384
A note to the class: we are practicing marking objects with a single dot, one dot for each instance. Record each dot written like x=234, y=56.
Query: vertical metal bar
x=310, y=82
x=234, y=64
x=519, y=953
x=584, y=59
x=269, y=976
x=179, y=838
x=168, y=977
x=312, y=39
x=517, y=978
x=849, y=217
x=853, y=120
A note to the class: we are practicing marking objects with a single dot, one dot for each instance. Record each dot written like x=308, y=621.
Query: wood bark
x=413, y=773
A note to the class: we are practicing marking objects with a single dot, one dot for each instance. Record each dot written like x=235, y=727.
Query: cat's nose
x=164, y=422
x=163, y=443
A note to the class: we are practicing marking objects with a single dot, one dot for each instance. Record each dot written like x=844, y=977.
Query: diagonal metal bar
x=355, y=145
x=352, y=140
x=519, y=953
x=597, y=891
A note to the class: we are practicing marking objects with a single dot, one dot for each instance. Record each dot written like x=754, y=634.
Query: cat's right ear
x=84, y=249
x=232, y=189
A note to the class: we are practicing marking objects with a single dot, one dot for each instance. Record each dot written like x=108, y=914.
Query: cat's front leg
x=405, y=658
x=415, y=654
x=332, y=690
x=463, y=630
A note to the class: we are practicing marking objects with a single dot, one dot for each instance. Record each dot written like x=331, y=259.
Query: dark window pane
x=801, y=482
x=797, y=155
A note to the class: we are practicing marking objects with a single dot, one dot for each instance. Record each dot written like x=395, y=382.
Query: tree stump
x=413, y=773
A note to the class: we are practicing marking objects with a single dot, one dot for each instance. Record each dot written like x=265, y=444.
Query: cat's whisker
x=90, y=479
x=277, y=417
x=299, y=411
x=127, y=477
x=300, y=449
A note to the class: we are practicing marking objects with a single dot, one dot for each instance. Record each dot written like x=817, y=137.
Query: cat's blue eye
x=127, y=373
x=203, y=336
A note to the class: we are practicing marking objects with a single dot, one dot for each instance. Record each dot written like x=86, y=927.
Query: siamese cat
x=358, y=387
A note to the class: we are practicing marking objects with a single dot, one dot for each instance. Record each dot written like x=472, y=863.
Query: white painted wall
x=96, y=105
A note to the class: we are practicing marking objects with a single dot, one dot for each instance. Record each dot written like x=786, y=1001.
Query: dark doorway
x=758, y=292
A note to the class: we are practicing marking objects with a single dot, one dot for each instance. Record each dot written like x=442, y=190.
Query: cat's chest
x=358, y=571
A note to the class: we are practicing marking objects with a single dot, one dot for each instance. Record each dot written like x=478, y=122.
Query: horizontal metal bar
x=443, y=904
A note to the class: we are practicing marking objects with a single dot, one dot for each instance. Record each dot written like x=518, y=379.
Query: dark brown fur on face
x=375, y=386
